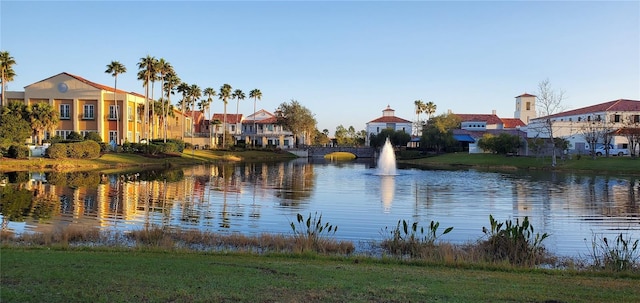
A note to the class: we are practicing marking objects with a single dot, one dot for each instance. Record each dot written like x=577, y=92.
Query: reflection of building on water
x=194, y=196
x=387, y=190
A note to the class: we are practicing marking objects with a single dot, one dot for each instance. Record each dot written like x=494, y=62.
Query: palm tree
x=170, y=82
x=145, y=74
x=163, y=68
x=419, y=110
x=6, y=70
x=42, y=116
x=209, y=93
x=183, y=88
x=225, y=94
x=430, y=109
x=194, y=93
x=115, y=68
x=256, y=94
x=238, y=95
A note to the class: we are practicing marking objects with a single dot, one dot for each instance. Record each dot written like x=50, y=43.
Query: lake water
x=254, y=198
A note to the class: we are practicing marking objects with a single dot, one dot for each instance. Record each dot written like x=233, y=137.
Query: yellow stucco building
x=86, y=106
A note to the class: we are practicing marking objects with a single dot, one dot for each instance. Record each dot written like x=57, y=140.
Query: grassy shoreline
x=122, y=161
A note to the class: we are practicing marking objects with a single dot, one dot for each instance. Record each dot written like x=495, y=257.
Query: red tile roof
x=526, y=95
x=490, y=119
x=389, y=119
x=620, y=105
x=512, y=123
x=231, y=118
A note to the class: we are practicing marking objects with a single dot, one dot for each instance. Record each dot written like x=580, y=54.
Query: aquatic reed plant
x=411, y=239
x=621, y=254
x=311, y=234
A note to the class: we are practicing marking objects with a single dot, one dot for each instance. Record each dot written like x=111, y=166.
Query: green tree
x=225, y=94
x=321, y=138
x=502, y=144
x=238, y=95
x=115, y=68
x=430, y=109
x=297, y=119
x=6, y=72
x=256, y=94
x=43, y=117
x=438, y=133
x=14, y=128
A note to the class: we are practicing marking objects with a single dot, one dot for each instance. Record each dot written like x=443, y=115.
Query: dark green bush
x=18, y=152
x=515, y=243
x=57, y=151
x=93, y=136
x=74, y=136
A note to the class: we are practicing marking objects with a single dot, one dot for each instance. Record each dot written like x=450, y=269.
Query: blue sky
x=345, y=61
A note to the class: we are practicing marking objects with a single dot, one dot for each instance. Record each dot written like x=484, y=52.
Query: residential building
x=388, y=120
x=85, y=106
x=573, y=125
x=261, y=129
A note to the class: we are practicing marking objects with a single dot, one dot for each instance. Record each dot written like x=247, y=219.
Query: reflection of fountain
x=387, y=189
x=387, y=160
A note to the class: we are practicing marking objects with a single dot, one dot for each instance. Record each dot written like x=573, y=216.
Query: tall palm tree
x=256, y=94
x=209, y=93
x=42, y=116
x=183, y=88
x=115, y=68
x=163, y=68
x=430, y=109
x=6, y=70
x=225, y=94
x=145, y=74
x=238, y=95
x=170, y=82
x=194, y=93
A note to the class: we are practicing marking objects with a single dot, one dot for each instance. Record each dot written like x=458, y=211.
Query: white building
x=570, y=125
x=387, y=121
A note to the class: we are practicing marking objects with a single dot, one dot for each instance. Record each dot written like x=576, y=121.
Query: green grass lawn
x=51, y=275
x=600, y=164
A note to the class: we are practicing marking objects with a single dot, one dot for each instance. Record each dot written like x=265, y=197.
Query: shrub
x=74, y=136
x=57, y=151
x=516, y=243
x=94, y=136
x=18, y=152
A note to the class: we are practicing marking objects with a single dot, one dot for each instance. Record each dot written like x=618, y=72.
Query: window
x=88, y=111
x=130, y=113
x=636, y=119
x=579, y=119
x=270, y=127
x=113, y=113
x=63, y=133
x=112, y=136
x=130, y=136
x=528, y=105
x=598, y=118
x=616, y=118
x=65, y=112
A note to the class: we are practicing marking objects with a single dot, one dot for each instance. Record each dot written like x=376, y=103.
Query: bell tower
x=525, y=107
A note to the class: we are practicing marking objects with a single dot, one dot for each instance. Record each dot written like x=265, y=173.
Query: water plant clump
x=621, y=254
x=515, y=243
x=411, y=239
x=311, y=234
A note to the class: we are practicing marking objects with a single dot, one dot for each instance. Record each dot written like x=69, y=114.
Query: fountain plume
x=387, y=160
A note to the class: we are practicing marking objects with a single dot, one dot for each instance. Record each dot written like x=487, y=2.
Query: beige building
x=86, y=106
